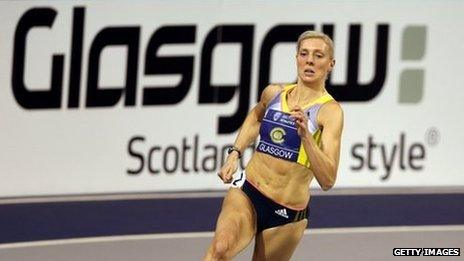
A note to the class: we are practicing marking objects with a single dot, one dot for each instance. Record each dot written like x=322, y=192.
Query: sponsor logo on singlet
x=277, y=135
x=275, y=151
x=277, y=116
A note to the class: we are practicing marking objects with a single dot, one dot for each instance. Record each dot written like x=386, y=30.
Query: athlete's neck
x=306, y=93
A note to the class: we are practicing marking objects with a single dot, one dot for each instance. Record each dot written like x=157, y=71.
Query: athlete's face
x=313, y=61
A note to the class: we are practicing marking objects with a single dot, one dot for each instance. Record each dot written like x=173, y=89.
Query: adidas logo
x=282, y=212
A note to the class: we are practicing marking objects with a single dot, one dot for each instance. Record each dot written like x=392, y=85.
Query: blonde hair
x=318, y=35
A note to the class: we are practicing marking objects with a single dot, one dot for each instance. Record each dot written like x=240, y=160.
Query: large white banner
x=123, y=96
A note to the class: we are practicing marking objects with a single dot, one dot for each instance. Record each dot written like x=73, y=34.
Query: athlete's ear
x=332, y=65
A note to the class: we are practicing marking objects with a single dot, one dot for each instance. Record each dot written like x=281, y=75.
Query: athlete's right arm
x=248, y=132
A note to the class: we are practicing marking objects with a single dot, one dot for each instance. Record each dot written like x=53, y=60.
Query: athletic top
x=278, y=131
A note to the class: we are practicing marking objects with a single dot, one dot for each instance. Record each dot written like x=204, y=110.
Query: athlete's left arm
x=324, y=161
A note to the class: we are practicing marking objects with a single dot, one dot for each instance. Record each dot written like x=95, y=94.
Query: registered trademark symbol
x=432, y=136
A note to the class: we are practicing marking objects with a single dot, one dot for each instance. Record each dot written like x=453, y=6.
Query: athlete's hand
x=301, y=121
x=229, y=168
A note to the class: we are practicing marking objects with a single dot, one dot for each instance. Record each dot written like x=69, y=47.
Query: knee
x=223, y=246
x=220, y=250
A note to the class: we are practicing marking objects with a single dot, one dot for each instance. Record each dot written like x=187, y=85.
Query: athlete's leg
x=279, y=243
x=235, y=227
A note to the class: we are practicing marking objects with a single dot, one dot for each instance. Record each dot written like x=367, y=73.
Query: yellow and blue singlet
x=278, y=131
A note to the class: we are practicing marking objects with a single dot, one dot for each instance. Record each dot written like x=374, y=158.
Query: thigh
x=237, y=221
x=280, y=242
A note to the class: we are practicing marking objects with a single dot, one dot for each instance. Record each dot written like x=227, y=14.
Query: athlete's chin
x=310, y=80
